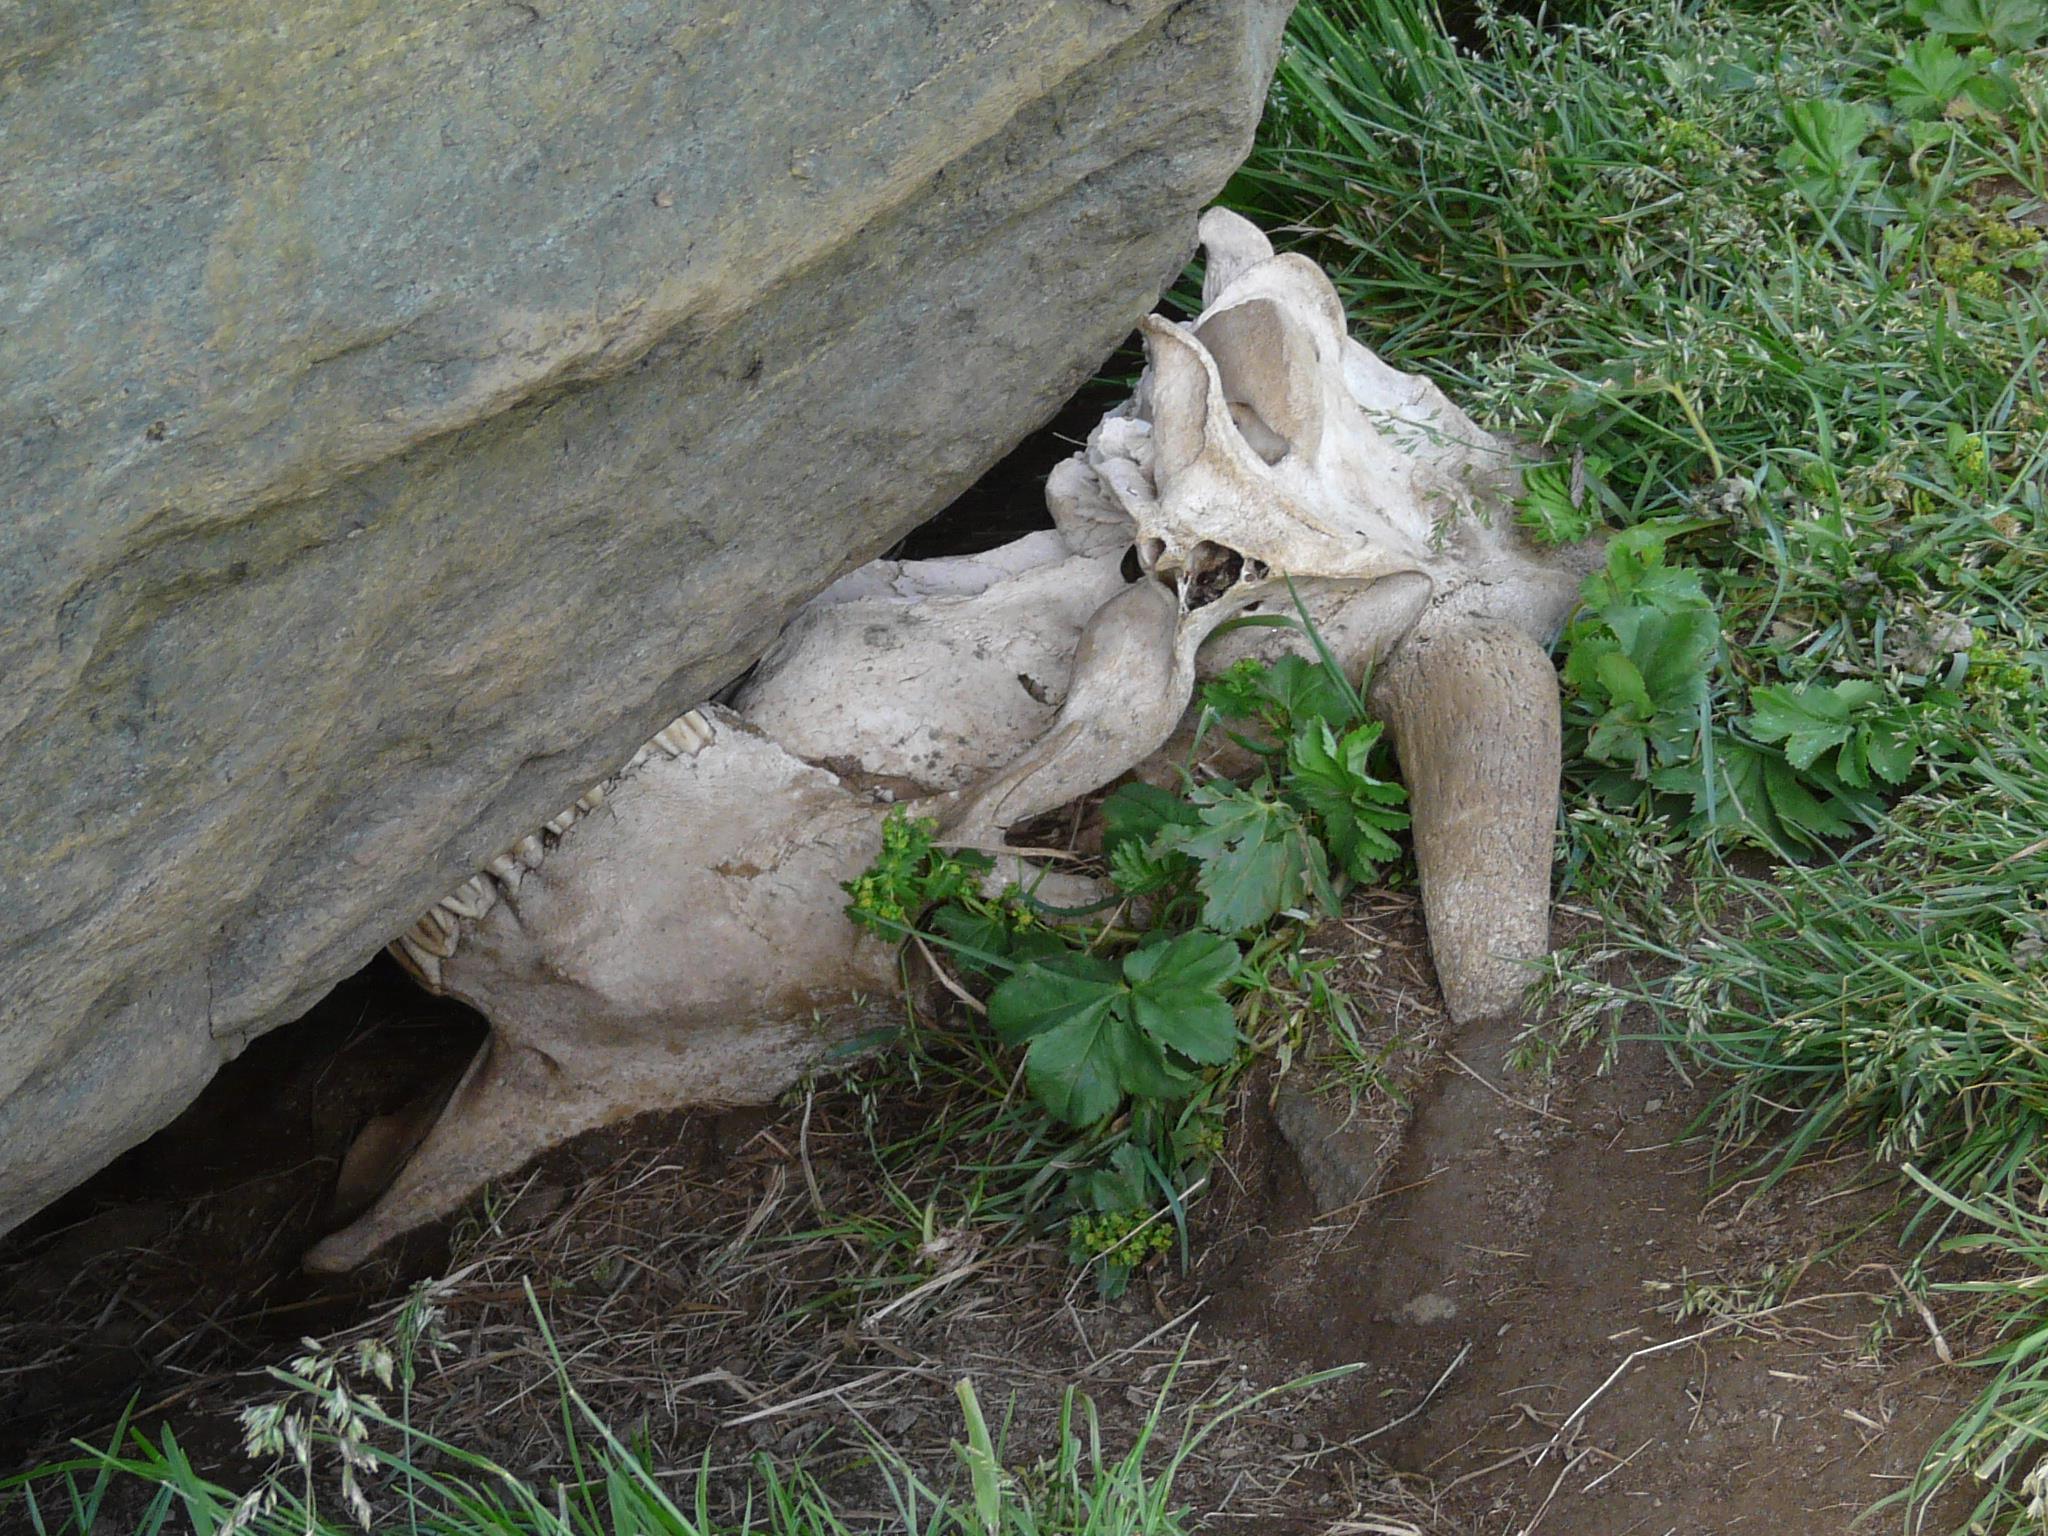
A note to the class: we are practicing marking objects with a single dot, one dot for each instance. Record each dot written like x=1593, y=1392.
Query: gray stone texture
x=406, y=409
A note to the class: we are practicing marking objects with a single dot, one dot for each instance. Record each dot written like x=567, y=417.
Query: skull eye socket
x=1213, y=569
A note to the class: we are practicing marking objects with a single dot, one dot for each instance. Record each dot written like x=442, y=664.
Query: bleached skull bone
x=676, y=938
x=1264, y=439
x=1266, y=460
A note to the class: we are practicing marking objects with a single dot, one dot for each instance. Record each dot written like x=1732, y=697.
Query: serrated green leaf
x=1849, y=719
x=1737, y=791
x=1077, y=1068
x=1123, y=1186
x=1638, y=665
x=1808, y=720
x=1617, y=738
x=1085, y=1053
x=1639, y=579
x=1803, y=815
x=1135, y=813
x=1623, y=680
x=1303, y=690
x=1142, y=1064
x=1136, y=871
x=1826, y=136
x=1890, y=751
x=1582, y=659
x=1852, y=767
x=1049, y=992
x=1203, y=961
x=1672, y=649
x=1176, y=994
x=1548, y=507
x=2008, y=25
x=1332, y=779
x=1279, y=695
x=1132, y=818
x=1929, y=75
x=1257, y=859
x=1094, y=1035
x=1758, y=792
x=1238, y=692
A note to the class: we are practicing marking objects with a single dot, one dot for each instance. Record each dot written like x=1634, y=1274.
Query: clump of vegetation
x=1771, y=279
x=1127, y=1019
x=326, y=1428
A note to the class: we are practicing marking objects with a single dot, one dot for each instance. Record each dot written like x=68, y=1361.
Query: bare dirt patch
x=1613, y=1346
x=1487, y=1248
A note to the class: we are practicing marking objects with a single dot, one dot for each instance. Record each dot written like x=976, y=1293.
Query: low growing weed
x=1131, y=1020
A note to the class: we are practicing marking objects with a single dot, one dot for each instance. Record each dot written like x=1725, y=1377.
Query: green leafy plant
x=1326, y=805
x=1639, y=672
x=1242, y=855
x=2007, y=25
x=1849, y=728
x=1273, y=698
x=1125, y=1033
x=1118, y=1227
x=1559, y=504
x=1932, y=80
x=910, y=875
x=1356, y=811
x=1096, y=1032
x=1254, y=856
x=1134, y=817
x=1329, y=759
x=1750, y=790
x=1968, y=458
x=1824, y=159
x=1638, y=660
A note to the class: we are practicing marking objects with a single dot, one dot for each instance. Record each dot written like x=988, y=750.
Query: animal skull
x=677, y=938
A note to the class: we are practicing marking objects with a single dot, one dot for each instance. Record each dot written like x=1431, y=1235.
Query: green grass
x=1773, y=274
x=334, y=1461
x=1824, y=394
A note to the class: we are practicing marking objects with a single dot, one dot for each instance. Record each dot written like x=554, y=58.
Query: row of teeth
x=423, y=947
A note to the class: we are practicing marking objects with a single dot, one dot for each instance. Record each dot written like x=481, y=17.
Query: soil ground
x=1562, y=1320
x=1536, y=1247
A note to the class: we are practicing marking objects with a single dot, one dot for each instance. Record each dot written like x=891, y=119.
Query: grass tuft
x=340, y=1463
x=1769, y=279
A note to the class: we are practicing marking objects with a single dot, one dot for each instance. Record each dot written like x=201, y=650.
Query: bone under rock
x=934, y=677
x=619, y=983
x=689, y=946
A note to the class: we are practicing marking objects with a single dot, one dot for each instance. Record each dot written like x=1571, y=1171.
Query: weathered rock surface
x=406, y=411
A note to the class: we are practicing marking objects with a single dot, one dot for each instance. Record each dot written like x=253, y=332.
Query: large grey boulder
x=406, y=409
